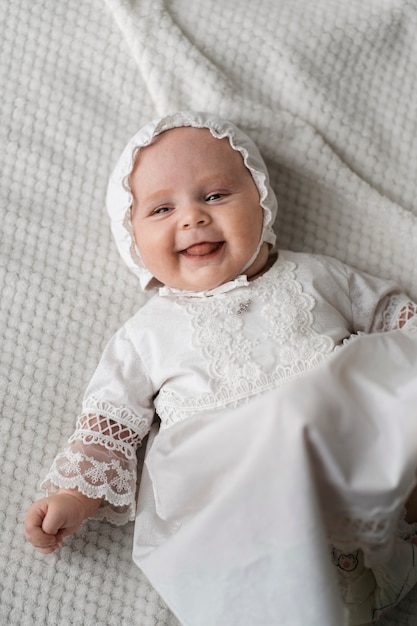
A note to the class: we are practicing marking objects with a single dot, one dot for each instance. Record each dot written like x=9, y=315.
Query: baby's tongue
x=200, y=249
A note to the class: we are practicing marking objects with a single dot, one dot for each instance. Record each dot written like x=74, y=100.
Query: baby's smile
x=203, y=249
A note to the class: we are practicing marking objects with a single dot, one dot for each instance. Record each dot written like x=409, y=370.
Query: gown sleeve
x=117, y=412
x=379, y=305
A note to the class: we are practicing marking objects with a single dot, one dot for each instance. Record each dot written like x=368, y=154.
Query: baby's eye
x=160, y=210
x=213, y=196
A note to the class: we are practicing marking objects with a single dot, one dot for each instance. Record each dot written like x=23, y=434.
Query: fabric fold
x=330, y=456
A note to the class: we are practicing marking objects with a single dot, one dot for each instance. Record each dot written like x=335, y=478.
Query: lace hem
x=98, y=473
x=401, y=313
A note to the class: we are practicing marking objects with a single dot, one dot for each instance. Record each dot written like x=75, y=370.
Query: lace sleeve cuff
x=401, y=313
x=96, y=473
x=100, y=461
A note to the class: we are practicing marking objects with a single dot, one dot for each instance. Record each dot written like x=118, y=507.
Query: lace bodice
x=246, y=343
x=182, y=355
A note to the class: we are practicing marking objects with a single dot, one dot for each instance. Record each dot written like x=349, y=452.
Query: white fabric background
x=327, y=89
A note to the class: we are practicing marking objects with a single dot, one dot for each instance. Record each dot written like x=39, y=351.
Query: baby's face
x=196, y=215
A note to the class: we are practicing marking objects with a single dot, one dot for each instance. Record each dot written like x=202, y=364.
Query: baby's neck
x=269, y=263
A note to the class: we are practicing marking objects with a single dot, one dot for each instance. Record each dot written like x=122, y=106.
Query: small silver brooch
x=243, y=307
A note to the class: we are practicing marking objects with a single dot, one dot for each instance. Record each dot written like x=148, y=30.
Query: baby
x=192, y=212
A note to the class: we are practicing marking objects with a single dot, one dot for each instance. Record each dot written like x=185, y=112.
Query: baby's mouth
x=205, y=248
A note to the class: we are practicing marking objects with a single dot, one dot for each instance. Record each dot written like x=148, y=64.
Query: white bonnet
x=119, y=197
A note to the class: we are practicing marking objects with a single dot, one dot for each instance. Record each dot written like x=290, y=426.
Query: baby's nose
x=194, y=217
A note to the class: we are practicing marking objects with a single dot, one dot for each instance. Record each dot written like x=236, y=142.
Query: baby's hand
x=51, y=519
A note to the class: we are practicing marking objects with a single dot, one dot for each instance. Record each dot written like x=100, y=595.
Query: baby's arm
x=95, y=474
x=51, y=519
x=104, y=468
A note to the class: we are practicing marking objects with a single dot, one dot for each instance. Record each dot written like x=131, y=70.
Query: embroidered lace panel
x=100, y=460
x=400, y=313
x=237, y=366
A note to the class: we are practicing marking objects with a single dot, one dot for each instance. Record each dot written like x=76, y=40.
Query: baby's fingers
x=42, y=541
x=34, y=532
x=47, y=547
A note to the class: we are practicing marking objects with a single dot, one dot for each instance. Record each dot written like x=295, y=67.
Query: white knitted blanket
x=327, y=89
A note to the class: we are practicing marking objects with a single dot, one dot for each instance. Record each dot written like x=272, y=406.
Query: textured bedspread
x=328, y=91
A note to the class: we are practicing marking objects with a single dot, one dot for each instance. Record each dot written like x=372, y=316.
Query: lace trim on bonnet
x=119, y=196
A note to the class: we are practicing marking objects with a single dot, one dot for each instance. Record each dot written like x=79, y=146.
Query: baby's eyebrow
x=158, y=197
x=221, y=180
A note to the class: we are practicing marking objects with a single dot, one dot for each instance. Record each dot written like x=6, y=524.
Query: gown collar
x=240, y=281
